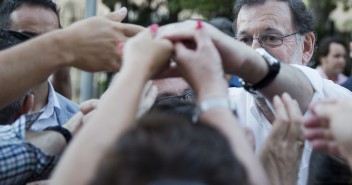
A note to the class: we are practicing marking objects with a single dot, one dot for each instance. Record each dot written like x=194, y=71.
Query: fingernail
x=122, y=11
x=199, y=25
x=154, y=28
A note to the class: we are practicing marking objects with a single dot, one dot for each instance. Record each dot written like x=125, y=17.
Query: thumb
x=117, y=15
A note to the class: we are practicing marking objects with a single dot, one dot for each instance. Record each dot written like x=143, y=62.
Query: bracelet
x=212, y=103
x=63, y=131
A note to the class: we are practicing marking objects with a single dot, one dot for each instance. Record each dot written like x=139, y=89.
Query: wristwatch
x=274, y=69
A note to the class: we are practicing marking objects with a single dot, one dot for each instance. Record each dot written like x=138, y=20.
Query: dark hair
x=223, y=24
x=324, y=46
x=302, y=18
x=8, y=6
x=9, y=38
x=327, y=170
x=166, y=147
x=185, y=109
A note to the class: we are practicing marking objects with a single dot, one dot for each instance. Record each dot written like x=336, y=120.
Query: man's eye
x=245, y=39
x=271, y=38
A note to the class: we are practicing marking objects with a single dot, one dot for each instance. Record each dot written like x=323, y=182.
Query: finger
x=294, y=115
x=280, y=109
x=147, y=87
x=311, y=122
x=131, y=30
x=177, y=31
x=292, y=107
x=147, y=100
x=87, y=117
x=88, y=105
x=317, y=133
x=182, y=53
x=118, y=15
x=325, y=146
x=250, y=137
x=280, y=126
x=323, y=108
x=151, y=96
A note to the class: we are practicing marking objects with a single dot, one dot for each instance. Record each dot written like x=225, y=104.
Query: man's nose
x=256, y=44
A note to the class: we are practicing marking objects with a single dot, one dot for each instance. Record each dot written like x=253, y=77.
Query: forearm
x=292, y=81
x=115, y=114
x=52, y=143
x=28, y=64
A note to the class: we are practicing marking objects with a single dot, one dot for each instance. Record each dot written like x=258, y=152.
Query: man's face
x=273, y=17
x=334, y=63
x=34, y=19
x=171, y=87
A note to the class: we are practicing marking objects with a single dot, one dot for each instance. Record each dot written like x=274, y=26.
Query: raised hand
x=93, y=42
x=146, y=54
x=201, y=66
x=282, y=150
x=329, y=128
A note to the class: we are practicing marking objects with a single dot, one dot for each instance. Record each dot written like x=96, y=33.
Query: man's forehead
x=33, y=18
x=270, y=16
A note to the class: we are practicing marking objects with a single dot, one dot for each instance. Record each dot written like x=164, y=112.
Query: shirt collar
x=52, y=106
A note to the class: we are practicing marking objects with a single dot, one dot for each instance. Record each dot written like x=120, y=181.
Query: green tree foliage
x=321, y=11
x=167, y=11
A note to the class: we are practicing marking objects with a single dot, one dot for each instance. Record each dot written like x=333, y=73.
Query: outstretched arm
x=144, y=56
x=80, y=45
x=242, y=60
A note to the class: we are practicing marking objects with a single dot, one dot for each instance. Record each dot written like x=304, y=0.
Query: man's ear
x=308, y=47
x=27, y=104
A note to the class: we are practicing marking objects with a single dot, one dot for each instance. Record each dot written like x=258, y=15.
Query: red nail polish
x=154, y=28
x=199, y=25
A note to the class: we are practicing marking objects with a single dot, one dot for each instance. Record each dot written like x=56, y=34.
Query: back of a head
x=8, y=39
x=327, y=170
x=8, y=6
x=223, y=24
x=301, y=17
x=166, y=149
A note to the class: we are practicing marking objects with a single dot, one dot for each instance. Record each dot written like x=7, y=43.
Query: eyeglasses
x=267, y=40
x=187, y=96
x=19, y=35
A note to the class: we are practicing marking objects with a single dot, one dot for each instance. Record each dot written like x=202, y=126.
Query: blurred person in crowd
x=23, y=103
x=25, y=155
x=35, y=17
x=328, y=169
x=331, y=54
x=284, y=41
x=61, y=79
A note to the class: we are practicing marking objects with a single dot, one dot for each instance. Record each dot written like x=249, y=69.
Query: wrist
x=272, y=69
x=213, y=104
x=63, y=50
x=135, y=73
x=63, y=131
x=211, y=90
